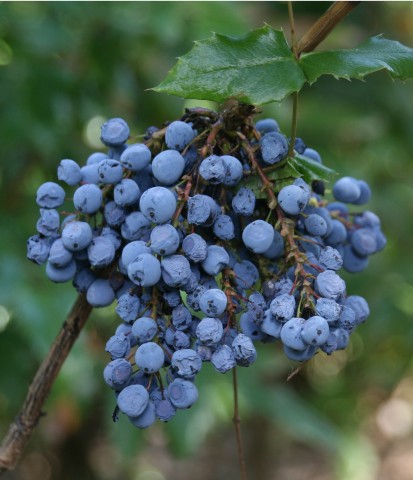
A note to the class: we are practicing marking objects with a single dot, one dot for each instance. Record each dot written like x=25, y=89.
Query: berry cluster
x=205, y=252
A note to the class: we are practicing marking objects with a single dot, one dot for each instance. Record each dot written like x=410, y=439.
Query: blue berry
x=136, y=227
x=224, y=227
x=202, y=210
x=223, y=359
x=282, y=308
x=126, y=192
x=132, y=250
x=178, y=134
x=118, y=346
x=359, y=306
x=150, y=357
x=330, y=258
x=101, y=252
x=315, y=331
x=328, y=309
x=158, y=204
x=118, y=373
x=352, y=262
x=182, y=393
x=50, y=195
x=233, y=170
x=186, y=362
x=267, y=125
x=194, y=248
x=209, y=331
x=244, y=350
x=364, y=241
x=61, y=274
x=213, y=302
x=212, y=169
x=164, y=239
x=274, y=147
x=216, y=260
x=176, y=270
x=329, y=285
x=133, y=400
x=114, y=132
x=243, y=202
x=69, y=172
x=292, y=199
x=144, y=329
x=168, y=166
x=136, y=157
x=258, y=236
x=128, y=307
x=315, y=225
x=347, y=190
x=145, y=270
x=291, y=334
x=49, y=222
x=146, y=418
x=77, y=236
x=110, y=171
x=313, y=154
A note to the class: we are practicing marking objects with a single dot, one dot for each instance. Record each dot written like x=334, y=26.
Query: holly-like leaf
x=375, y=54
x=310, y=169
x=255, y=68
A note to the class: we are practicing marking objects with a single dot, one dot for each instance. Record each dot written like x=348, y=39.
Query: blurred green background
x=64, y=67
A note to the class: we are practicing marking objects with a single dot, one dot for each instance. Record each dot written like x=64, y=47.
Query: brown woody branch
x=324, y=25
x=22, y=427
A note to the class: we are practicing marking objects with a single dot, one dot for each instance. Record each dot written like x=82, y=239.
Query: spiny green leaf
x=255, y=68
x=375, y=54
x=310, y=169
x=281, y=177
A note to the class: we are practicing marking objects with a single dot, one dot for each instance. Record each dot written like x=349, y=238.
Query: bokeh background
x=64, y=68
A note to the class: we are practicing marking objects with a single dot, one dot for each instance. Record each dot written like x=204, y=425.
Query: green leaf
x=281, y=177
x=255, y=68
x=375, y=54
x=298, y=417
x=310, y=169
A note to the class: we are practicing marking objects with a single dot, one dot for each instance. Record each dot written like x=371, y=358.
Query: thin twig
x=237, y=423
x=295, y=95
x=21, y=429
x=293, y=125
x=324, y=25
x=292, y=28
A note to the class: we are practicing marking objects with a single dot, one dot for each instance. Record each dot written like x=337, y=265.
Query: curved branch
x=324, y=25
x=21, y=429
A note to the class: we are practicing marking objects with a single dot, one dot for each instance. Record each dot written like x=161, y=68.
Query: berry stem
x=266, y=184
x=229, y=292
x=237, y=423
x=293, y=125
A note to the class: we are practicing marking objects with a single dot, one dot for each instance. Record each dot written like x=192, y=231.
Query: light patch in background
x=200, y=103
x=395, y=418
x=91, y=132
x=330, y=366
x=150, y=474
x=357, y=459
x=5, y=317
x=403, y=299
x=6, y=53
